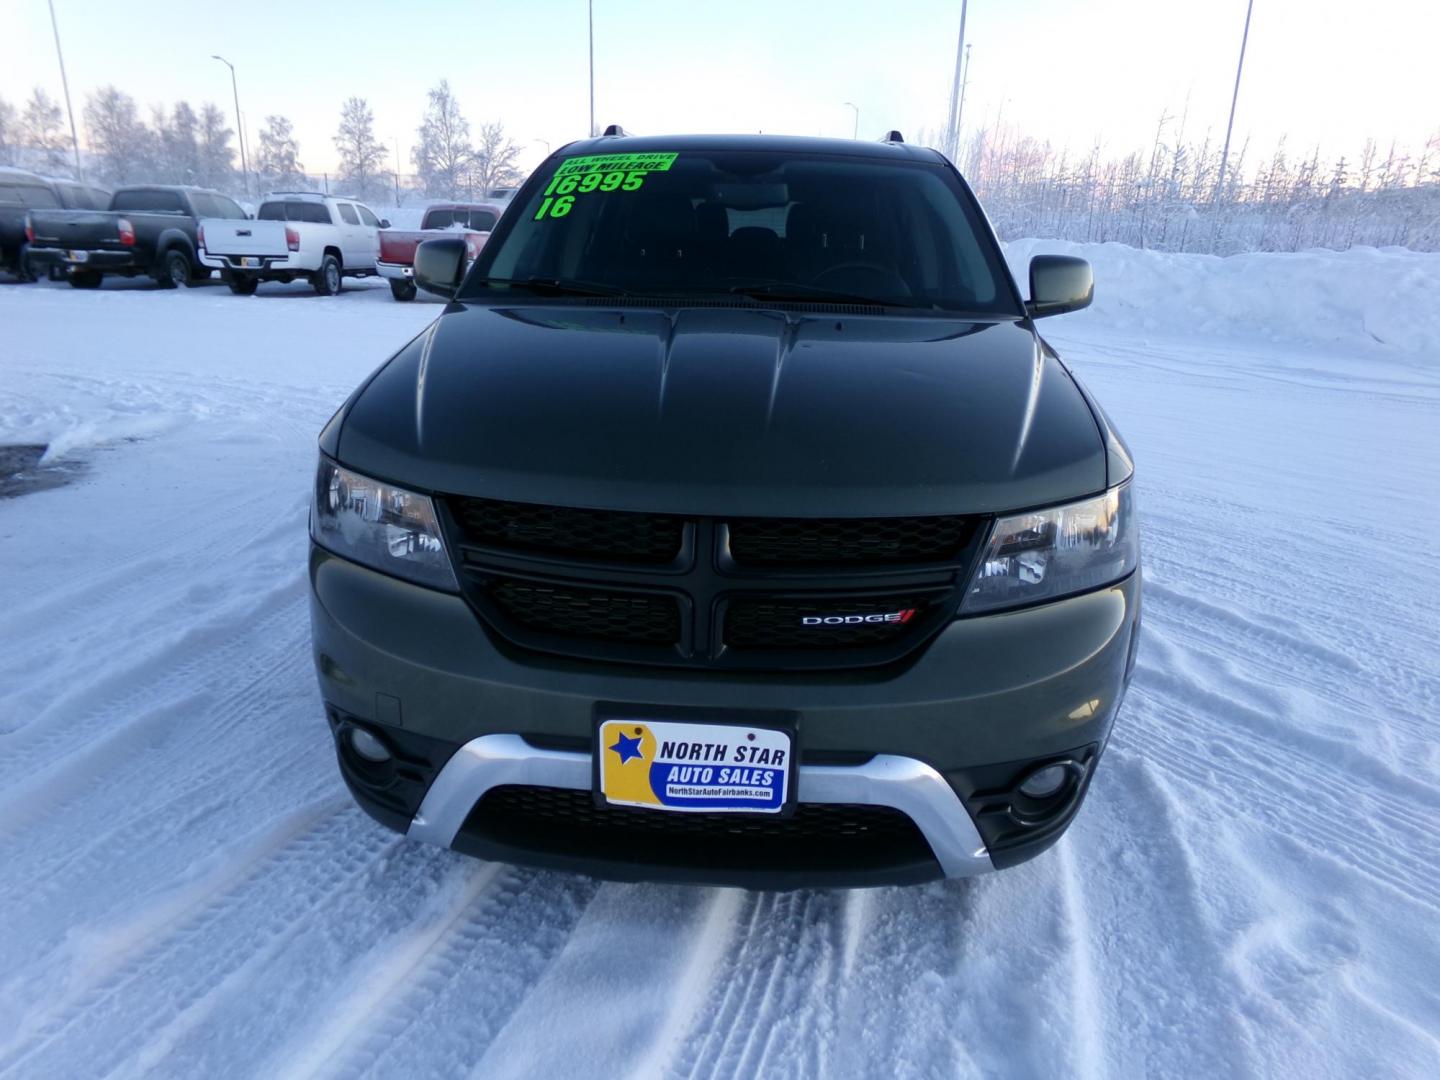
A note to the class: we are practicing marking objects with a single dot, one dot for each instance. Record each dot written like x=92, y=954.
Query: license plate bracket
x=707, y=765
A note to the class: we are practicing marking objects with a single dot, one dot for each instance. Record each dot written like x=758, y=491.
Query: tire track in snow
x=180, y=970
x=451, y=1006
x=629, y=978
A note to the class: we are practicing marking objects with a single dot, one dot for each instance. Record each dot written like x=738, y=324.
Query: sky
x=1319, y=72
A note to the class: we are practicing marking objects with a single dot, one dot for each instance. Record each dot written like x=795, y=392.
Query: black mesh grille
x=577, y=810
x=816, y=838
x=563, y=530
x=636, y=618
x=780, y=624
x=838, y=541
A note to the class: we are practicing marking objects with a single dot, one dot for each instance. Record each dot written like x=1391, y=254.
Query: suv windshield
x=782, y=226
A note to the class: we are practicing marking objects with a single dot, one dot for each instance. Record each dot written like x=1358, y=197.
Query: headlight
x=382, y=526
x=1047, y=554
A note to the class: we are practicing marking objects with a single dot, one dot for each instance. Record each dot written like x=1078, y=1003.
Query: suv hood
x=721, y=411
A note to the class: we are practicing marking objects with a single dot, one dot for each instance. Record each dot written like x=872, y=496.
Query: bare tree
x=178, y=139
x=118, y=138
x=493, y=163
x=361, y=154
x=44, y=134
x=278, y=160
x=215, y=155
x=444, y=150
x=8, y=133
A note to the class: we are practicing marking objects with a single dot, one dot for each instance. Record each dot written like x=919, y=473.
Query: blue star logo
x=627, y=748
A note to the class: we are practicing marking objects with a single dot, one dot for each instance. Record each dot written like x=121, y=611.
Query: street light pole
x=239, y=130
x=74, y=138
x=855, y=134
x=591, y=7
x=952, y=128
x=1235, y=97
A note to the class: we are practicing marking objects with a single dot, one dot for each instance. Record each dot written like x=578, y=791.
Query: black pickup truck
x=22, y=191
x=147, y=230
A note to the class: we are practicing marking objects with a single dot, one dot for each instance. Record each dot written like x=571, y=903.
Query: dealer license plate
x=715, y=768
x=248, y=261
x=79, y=256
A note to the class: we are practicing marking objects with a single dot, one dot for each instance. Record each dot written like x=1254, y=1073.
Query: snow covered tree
x=8, y=133
x=444, y=150
x=278, y=159
x=493, y=163
x=118, y=138
x=178, y=138
x=215, y=155
x=361, y=154
x=44, y=134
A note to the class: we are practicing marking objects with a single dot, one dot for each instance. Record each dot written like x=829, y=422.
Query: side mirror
x=439, y=266
x=384, y=222
x=1059, y=283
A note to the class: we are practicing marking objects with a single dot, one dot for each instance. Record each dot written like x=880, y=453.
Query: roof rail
x=317, y=194
x=892, y=136
x=612, y=130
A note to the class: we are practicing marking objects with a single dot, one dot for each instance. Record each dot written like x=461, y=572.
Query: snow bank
x=1350, y=298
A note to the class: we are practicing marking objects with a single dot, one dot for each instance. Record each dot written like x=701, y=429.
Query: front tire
x=402, y=288
x=327, y=280
x=85, y=279
x=243, y=286
x=175, y=269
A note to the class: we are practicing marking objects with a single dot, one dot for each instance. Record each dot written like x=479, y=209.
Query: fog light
x=368, y=746
x=1045, y=782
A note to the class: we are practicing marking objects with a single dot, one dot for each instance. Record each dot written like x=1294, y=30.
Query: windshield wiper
x=559, y=286
x=784, y=290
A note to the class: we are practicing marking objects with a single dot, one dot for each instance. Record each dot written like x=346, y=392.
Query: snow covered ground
x=1253, y=888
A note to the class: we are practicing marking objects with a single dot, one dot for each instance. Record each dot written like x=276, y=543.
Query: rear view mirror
x=1059, y=283
x=384, y=222
x=439, y=266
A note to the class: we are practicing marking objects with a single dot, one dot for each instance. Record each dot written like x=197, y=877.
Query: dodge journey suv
x=732, y=523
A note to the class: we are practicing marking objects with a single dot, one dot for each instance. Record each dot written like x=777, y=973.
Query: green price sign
x=603, y=173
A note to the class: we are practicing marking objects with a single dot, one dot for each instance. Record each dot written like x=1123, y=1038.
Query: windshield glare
x=706, y=223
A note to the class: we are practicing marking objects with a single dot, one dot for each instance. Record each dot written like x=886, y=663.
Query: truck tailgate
x=229, y=236
x=398, y=245
x=82, y=229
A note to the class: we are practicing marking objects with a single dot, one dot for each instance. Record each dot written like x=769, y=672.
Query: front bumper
x=395, y=271
x=940, y=738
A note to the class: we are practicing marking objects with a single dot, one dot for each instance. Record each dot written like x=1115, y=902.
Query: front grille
x=839, y=541
x=631, y=618
x=780, y=624
x=815, y=838
x=564, y=530
x=709, y=592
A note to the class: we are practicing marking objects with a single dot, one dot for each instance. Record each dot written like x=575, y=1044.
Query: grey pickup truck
x=147, y=230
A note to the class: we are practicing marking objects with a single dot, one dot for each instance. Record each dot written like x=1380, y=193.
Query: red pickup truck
x=397, y=246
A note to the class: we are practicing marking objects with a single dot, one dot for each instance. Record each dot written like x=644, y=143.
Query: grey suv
x=733, y=523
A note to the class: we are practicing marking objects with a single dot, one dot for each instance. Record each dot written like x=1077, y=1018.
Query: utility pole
x=952, y=127
x=397, y=172
x=855, y=134
x=592, y=67
x=74, y=138
x=239, y=125
x=960, y=112
x=1235, y=97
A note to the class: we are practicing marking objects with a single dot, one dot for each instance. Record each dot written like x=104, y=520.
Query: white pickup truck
x=296, y=234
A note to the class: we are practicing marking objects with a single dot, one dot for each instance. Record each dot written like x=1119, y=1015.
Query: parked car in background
x=20, y=192
x=147, y=229
x=473, y=221
x=306, y=235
